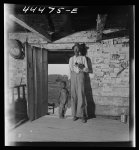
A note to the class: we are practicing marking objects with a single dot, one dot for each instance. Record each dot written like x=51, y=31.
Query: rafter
x=101, y=21
x=50, y=23
x=25, y=25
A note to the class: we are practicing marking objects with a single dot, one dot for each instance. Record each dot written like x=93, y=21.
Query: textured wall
x=16, y=72
x=110, y=78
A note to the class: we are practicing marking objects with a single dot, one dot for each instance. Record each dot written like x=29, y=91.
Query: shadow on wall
x=88, y=89
x=89, y=93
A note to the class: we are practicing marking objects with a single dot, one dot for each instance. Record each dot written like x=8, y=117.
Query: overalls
x=78, y=100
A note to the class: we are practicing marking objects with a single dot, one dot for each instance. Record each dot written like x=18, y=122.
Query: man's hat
x=76, y=44
x=83, y=45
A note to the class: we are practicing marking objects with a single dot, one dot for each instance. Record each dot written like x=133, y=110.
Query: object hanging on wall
x=124, y=65
x=16, y=49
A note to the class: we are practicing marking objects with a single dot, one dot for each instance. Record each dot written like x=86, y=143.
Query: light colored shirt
x=79, y=60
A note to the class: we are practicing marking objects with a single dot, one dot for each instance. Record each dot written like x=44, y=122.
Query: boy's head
x=63, y=84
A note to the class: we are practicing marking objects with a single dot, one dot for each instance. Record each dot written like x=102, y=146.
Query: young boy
x=63, y=99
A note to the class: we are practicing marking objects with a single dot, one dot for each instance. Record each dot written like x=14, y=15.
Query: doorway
x=37, y=77
x=56, y=74
x=58, y=70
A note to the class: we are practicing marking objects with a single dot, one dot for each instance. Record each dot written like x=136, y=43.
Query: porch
x=50, y=128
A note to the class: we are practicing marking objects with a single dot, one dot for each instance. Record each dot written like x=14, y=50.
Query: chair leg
x=53, y=109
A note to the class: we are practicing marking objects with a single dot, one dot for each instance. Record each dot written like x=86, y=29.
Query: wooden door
x=37, y=77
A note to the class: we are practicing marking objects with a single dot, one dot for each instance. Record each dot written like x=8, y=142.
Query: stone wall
x=110, y=78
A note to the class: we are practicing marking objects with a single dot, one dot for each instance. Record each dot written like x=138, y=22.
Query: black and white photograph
x=69, y=75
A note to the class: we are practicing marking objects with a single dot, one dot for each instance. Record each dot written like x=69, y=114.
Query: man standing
x=78, y=66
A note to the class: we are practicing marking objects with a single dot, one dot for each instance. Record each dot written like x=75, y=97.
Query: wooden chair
x=51, y=106
x=20, y=103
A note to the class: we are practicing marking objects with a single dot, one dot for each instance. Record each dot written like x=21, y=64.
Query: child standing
x=63, y=99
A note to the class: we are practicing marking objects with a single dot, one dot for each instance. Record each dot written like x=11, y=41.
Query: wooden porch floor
x=51, y=128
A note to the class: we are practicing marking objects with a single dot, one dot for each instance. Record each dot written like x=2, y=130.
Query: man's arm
x=85, y=69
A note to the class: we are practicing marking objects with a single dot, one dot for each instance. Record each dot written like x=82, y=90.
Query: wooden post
x=41, y=84
x=26, y=76
x=35, y=81
x=30, y=83
x=101, y=21
x=45, y=81
x=47, y=78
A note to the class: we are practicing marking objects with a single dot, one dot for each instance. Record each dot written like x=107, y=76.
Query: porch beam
x=23, y=24
x=36, y=41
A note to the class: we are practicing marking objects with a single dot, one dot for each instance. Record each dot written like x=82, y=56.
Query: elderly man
x=78, y=66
